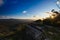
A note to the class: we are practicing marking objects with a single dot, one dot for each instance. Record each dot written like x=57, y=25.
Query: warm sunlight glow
x=47, y=14
x=37, y=17
x=51, y=14
x=52, y=17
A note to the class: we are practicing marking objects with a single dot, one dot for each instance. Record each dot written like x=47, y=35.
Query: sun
x=49, y=15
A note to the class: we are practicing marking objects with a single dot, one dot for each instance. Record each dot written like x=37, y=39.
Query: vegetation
x=51, y=26
x=14, y=30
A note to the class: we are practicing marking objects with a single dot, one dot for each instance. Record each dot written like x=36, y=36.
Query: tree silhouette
x=55, y=21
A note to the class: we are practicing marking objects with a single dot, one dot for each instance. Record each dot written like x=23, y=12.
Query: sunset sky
x=26, y=8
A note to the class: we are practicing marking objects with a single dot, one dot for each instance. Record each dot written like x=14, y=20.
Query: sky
x=26, y=9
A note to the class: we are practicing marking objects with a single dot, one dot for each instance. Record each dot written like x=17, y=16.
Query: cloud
x=5, y=17
x=1, y=2
x=24, y=12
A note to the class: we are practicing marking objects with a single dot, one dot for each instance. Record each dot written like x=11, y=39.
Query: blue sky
x=26, y=8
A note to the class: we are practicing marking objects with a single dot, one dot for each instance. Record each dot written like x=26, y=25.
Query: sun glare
x=46, y=15
x=37, y=17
